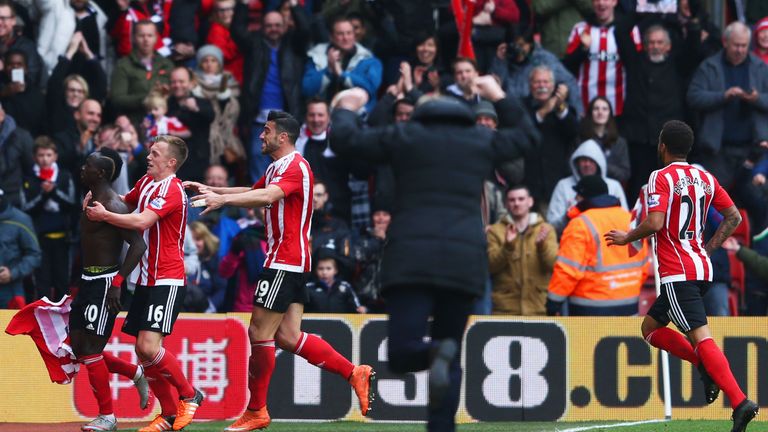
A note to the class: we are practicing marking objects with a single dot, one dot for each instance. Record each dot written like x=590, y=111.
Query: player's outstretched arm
x=252, y=198
x=134, y=221
x=201, y=188
x=731, y=221
x=650, y=225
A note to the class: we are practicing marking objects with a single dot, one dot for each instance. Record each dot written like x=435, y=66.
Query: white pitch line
x=610, y=426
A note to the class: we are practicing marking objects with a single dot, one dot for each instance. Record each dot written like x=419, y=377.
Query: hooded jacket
x=521, y=269
x=564, y=196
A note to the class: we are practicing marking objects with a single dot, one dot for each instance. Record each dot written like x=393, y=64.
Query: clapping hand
x=488, y=88
x=543, y=233
x=351, y=99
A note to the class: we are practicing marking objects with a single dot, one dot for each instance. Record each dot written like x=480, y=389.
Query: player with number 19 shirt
x=684, y=193
x=285, y=191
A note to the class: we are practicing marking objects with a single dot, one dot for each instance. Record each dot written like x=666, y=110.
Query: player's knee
x=646, y=328
x=286, y=339
x=258, y=333
x=146, y=350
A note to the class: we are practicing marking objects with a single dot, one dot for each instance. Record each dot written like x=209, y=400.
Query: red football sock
x=321, y=354
x=162, y=390
x=674, y=343
x=119, y=366
x=98, y=375
x=166, y=363
x=720, y=371
x=260, y=367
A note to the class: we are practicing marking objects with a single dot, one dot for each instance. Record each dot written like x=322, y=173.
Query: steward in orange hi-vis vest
x=596, y=279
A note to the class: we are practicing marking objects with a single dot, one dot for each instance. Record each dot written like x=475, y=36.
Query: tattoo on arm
x=726, y=228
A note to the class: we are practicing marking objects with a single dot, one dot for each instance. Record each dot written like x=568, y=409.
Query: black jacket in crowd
x=549, y=161
x=655, y=91
x=28, y=109
x=47, y=216
x=15, y=159
x=338, y=298
x=199, y=147
x=440, y=160
x=256, y=55
x=61, y=115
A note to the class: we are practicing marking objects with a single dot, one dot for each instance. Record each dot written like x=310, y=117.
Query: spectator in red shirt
x=220, y=36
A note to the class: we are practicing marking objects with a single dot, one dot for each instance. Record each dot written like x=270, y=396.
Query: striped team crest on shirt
x=684, y=193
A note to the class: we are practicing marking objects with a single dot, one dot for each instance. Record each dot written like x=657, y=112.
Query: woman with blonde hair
x=206, y=278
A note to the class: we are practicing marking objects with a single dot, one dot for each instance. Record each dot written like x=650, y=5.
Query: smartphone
x=17, y=75
x=656, y=6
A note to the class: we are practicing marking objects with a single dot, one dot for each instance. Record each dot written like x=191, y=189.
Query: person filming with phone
x=21, y=98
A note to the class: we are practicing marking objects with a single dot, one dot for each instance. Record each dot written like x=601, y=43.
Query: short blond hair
x=176, y=146
x=155, y=100
x=78, y=79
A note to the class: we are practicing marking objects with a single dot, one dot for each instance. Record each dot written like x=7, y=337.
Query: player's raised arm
x=731, y=221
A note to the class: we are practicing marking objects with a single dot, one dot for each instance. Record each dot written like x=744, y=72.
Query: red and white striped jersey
x=167, y=126
x=163, y=261
x=684, y=193
x=602, y=73
x=290, y=219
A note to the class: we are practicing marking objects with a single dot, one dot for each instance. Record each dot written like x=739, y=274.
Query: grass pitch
x=671, y=426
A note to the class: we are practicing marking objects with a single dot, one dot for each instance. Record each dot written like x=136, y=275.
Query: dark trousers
x=52, y=277
x=409, y=310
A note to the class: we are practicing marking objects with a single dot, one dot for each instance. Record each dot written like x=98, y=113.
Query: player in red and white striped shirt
x=286, y=192
x=679, y=196
x=592, y=49
x=161, y=215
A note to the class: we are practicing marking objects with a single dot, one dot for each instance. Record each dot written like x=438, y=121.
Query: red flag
x=463, y=12
x=46, y=323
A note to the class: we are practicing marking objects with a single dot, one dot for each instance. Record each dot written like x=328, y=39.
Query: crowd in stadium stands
x=598, y=79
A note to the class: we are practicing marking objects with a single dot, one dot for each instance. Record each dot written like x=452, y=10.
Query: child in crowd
x=49, y=198
x=328, y=293
x=157, y=123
